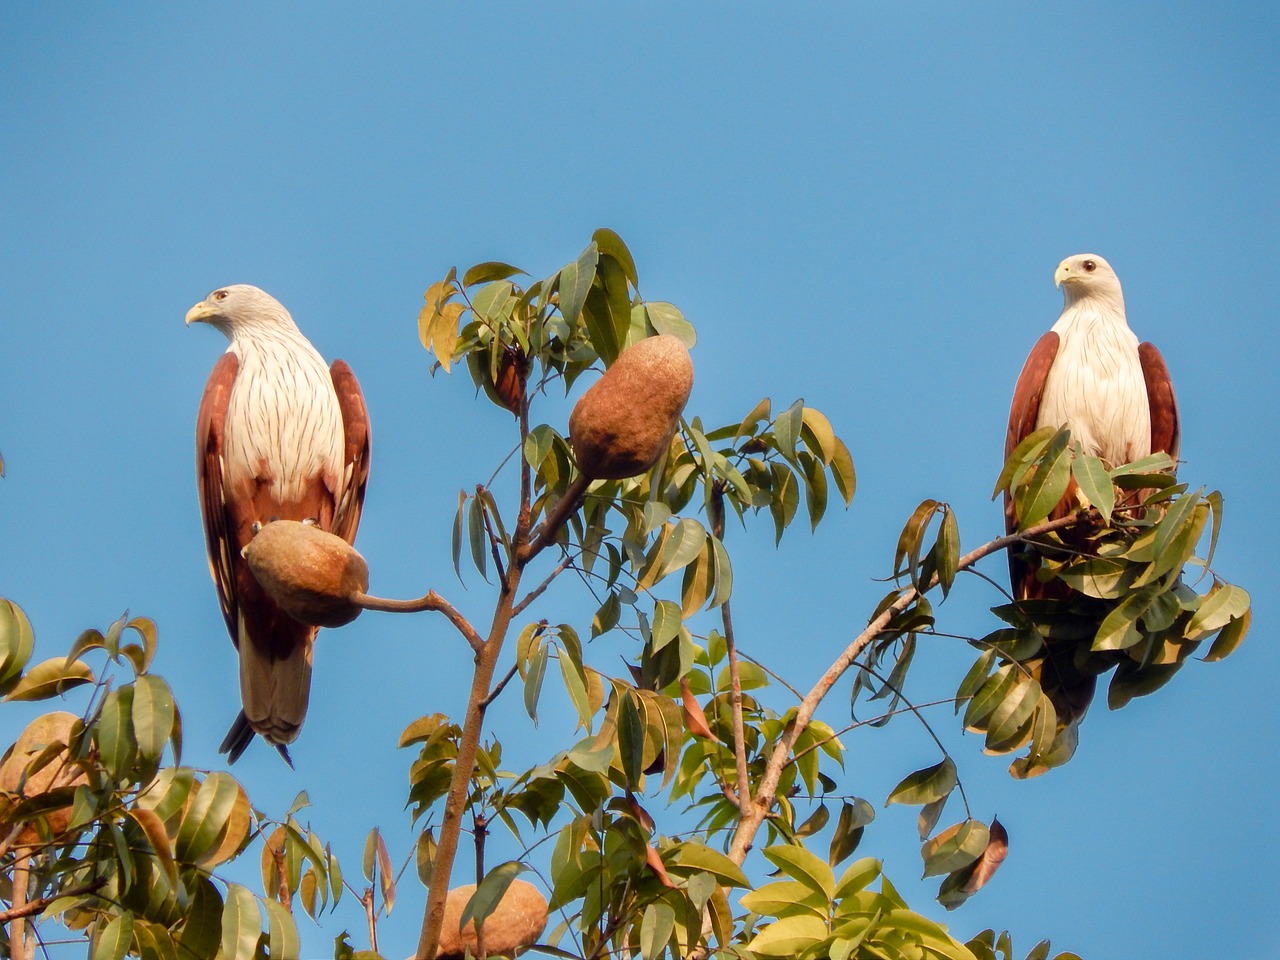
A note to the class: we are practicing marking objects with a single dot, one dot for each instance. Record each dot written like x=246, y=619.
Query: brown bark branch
x=21, y=910
x=546, y=532
x=32, y=907
x=432, y=601
x=766, y=791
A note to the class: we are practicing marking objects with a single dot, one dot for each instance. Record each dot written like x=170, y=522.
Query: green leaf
x=682, y=547
x=786, y=429
x=206, y=816
x=241, y=924
x=929, y=814
x=611, y=245
x=789, y=937
x=723, y=573
x=956, y=847
x=153, y=714
x=666, y=624
x=488, y=272
x=1119, y=630
x=575, y=684
x=698, y=857
x=575, y=281
x=948, y=550
x=1022, y=453
x=478, y=538
x=1094, y=481
x=1229, y=638
x=51, y=678
x=909, y=541
x=630, y=740
x=490, y=891
x=857, y=877
x=925, y=785
x=202, y=930
x=1011, y=714
x=760, y=412
x=281, y=931
x=115, y=731
x=425, y=855
x=115, y=939
x=667, y=318
x=457, y=535
x=656, y=927
x=786, y=898
x=799, y=864
x=1048, y=483
x=1224, y=603
x=843, y=473
x=533, y=682
x=818, y=435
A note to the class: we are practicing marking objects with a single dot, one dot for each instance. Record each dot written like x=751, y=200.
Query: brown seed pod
x=622, y=425
x=311, y=574
x=513, y=370
x=515, y=924
x=56, y=727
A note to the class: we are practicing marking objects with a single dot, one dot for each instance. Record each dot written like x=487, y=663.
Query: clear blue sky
x=862, y=205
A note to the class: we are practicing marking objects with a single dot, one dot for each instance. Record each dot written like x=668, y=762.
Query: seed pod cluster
x=311, y=574
x=625, y=421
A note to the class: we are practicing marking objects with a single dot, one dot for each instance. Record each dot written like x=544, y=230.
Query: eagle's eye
x=1090, y=266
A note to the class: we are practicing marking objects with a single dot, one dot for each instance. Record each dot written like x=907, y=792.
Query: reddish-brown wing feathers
x=355, y=425
x=1023, y=413
x=1166, y=434
x=1029, y=391
x=210, y=423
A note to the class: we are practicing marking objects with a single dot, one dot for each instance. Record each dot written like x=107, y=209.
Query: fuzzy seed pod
x=516, y=923
x=622, y=425
x=56, y=727
x=311, y=574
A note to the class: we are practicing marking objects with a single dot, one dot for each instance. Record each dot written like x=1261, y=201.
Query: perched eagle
x=280, y=436
x=1090, y=374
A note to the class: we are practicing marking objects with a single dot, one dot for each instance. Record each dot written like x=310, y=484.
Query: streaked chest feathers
x=1096, y=386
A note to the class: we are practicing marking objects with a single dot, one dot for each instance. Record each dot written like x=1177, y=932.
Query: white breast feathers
x=1096, y=387
x=283, y=418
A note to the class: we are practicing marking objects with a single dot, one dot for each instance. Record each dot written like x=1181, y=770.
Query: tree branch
x=546, y=532
x=537, y=591
x=432, y=601
x=30, y=908
x=766, y=791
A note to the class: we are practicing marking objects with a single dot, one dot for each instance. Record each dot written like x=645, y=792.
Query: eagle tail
x=240, y=736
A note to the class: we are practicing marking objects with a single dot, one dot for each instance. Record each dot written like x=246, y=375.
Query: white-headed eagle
x=1089, y=373
x=280, y=436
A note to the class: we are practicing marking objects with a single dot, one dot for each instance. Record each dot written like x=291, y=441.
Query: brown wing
x=1166, y=433
x=1030, y=389
x=1023, y=413
x=219, y=526
x=355, y=424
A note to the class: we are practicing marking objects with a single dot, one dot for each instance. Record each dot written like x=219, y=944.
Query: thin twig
x=537, y=591
x=766, y=791
x=432, y=601
x=371, y=916
x=743, y=783
x=493, y=695
x=494, y=542
x=550, y=526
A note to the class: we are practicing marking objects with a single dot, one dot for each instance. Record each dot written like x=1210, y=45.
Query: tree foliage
x=691, y=772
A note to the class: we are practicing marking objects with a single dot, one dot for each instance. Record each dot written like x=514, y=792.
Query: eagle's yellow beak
x=1060, y=276
x=201, y=311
